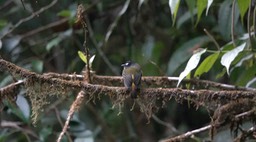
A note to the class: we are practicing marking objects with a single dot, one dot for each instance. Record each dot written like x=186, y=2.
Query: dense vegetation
x=194, y=39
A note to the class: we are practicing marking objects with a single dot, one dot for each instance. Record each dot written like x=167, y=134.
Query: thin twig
x=74, y=107
x=108, y=136
x=98, y=48
x=212, y=38
x=114, y=24
x=202, y=129
x=81, y=19
x=23, y=4
x=249, y=23
x=18, y=126
x=254, y=22
x=43, y=28
x=233, y=23
x=57, y=113
x=30, y=17
x=5, y=4
x=245, y=134
x=168, y=125
x=87, y=55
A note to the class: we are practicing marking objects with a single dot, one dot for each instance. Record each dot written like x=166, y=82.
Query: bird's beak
x=123, y=65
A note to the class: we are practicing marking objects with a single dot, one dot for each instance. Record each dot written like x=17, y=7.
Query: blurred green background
x=139, y=30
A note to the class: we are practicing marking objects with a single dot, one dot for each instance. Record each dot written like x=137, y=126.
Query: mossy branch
x=231, y=92
x=154, y=89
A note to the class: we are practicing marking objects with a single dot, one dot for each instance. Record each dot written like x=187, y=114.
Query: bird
x=132, y=74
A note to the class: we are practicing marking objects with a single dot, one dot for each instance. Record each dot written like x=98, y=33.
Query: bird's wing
x=127, y=80
x=137, y=79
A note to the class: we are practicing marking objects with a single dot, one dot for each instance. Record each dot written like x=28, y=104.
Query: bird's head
x=127, y=64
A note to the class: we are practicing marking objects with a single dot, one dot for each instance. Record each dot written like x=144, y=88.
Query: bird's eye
x=127, y=64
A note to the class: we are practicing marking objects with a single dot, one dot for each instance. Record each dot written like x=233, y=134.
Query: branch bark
x=186, y=135
x=165, y=93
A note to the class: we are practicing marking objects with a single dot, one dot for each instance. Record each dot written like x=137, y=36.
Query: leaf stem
x=233, y=23
x=248, y=23
x=212, y=38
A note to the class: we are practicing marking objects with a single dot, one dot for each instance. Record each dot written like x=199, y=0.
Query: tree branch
x=30, y=17
x=193, y=132
x=74, y=107
x=165, y=93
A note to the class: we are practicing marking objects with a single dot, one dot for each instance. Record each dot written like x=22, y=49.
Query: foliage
x=162, y=37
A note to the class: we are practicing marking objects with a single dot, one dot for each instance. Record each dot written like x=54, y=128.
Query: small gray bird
x=132, y=74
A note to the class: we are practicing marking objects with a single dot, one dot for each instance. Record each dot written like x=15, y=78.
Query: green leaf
x=243, y=6
x=37, y=66
x=174, y=6
x=183, y=53
x=224, y=18
x=1, y=44
x=184, y=18
x=246, y=76
x=3, y=23
x=191, y=6
x=16, y=110
x=82, y=56
x=192, y=64
x=209, y=3
x=201, y=5
x=228, y=57
x=45, y=132
x=221, y=74
x=64, y=13
x=53, y=43
x=207, y=64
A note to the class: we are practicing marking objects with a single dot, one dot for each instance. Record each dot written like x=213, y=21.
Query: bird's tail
x=135, y=92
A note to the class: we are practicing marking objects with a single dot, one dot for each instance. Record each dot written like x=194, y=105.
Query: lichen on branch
x=57, y=84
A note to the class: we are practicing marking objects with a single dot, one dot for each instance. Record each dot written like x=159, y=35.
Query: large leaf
x=192, y=64
x=56, y=41
x=183, y=53
x=185, y=17
x=53, y=43
x=207, y=64
x=228, y=57
x=243, y=6
x=201, y=5
x=37, y=66
x=209, y=3
x=245, y=76
x=174, y=6
x=191, y=6
x=45, y=132
x=224, y=18
x=148, y=46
